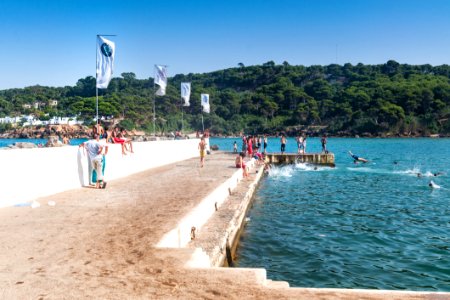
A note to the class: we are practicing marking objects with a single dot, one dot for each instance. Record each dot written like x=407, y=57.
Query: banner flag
x=205, y=102
x=186, y=92
x=106, y=51
x=161, y=79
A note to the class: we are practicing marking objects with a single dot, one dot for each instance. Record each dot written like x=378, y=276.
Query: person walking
x=202, y=148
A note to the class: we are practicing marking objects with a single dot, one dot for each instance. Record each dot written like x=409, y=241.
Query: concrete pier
x=326, y=159
x=103, y=244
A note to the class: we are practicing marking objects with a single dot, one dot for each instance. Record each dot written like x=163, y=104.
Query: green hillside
x=372, y=100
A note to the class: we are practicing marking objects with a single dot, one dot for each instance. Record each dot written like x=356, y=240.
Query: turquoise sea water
x=6, y=142
x=376, y=225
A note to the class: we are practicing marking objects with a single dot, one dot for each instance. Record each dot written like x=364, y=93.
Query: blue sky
x=53, y=43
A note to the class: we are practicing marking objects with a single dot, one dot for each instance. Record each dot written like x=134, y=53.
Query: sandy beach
x=100, y=244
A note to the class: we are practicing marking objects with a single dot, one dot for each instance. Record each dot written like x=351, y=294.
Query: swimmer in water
x=438, y=174
x=433, y=185
x=357, y=158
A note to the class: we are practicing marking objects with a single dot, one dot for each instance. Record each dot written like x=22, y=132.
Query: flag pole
x=203, y=125
x=96, y=94
x=181, y=116
x=96, y=80
x=154, y=109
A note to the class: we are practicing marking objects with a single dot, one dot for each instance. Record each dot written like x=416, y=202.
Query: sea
x=377, y=225
x=6, y=142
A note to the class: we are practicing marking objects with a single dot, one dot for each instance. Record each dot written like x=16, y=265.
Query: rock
x=22, y=145
x=53, y=141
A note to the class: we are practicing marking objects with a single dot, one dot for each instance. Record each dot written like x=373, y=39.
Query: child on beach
x=234, y=147
x=202, y=148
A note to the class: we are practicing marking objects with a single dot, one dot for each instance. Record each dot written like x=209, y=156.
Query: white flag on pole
x=161, y=79
x=186, y=92
x=106, y=51
x=205, y=102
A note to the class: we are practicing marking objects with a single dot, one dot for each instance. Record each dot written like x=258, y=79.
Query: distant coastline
x=84, y=132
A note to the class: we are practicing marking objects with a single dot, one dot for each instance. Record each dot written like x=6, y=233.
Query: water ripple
x=376, y=226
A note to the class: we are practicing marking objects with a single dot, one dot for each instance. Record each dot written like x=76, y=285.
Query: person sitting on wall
x=116, y=136
x=128, y=141
x=99, y=130
x=239, y=162
x=258, y=156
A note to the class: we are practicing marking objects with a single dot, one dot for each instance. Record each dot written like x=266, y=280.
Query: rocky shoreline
x=47, y=131
x=81, y=131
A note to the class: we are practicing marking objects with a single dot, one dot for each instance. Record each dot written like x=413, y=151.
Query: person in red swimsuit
x=241, y=164
x=118, y=139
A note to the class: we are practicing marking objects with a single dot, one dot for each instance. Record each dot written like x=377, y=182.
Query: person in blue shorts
x=356, y=158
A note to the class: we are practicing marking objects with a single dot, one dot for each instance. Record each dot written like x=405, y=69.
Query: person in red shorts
x=117, y=138
x=241, y=164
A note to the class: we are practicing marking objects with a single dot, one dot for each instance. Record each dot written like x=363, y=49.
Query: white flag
x=105, y=61
x=205, y=102
x=161, y=79
x=186, y=92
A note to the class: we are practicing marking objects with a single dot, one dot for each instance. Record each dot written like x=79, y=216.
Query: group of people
x=251, y=147
x=115, y=136
x=252, y=144
x=301, y=143
x=97, y=148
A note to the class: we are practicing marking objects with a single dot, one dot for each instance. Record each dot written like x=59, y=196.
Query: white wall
x=27, y=174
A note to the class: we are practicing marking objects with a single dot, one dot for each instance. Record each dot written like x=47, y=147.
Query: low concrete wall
x=179, y=236
x=326, y=159
x=27, y=174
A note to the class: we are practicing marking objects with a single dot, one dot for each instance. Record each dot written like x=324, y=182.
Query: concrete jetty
x=103, y=244
x=326, y=159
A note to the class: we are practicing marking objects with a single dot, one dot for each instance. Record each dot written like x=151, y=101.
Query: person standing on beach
x=202, y=148
x=283, y=143
x=94, y=149
x=104, y=144
x=234, y=147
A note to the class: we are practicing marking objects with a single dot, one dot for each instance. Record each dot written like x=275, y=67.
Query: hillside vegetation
x=373, y=100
